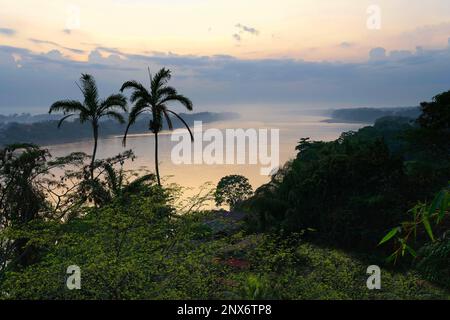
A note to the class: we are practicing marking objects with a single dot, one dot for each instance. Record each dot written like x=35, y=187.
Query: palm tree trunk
x=156, y=158
x=94, y=152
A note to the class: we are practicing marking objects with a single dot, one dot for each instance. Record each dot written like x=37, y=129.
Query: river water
x=292, y=126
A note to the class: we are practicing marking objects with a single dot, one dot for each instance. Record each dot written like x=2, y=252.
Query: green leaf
x=436, y=203
x=392, y=257
x=444, y=207
x=411, y=251
x=390, y=235
x=427, y=225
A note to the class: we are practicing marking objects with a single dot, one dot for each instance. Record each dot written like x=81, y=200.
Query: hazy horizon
x=242, y=110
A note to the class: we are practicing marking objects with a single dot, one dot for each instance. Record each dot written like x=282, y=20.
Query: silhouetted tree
x=115, y=184
x=155, y=101
x=21, y=199
x=436, y=114
x=92, y=109
x=232, y=190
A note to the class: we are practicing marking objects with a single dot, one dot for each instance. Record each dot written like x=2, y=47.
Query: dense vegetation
x=310, y=233
x=352, y=191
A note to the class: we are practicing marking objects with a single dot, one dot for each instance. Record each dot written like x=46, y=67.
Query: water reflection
x=292, y=128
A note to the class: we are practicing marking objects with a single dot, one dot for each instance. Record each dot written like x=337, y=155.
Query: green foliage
x=132, y=252
x=255, y=288
x=434, y=262
x=436, y=114
x=232, y=190
x=130, y=241
x=354, y=189
x=428, y=222
x=110, y=183
x=21, y=198
x=26, y=183
x=348, y=190
x=431, y=141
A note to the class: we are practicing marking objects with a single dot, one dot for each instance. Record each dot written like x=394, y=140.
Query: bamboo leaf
x=444, y=207
x=390, y=235
x=436, y=203
x=411, y=251
x=427, y=225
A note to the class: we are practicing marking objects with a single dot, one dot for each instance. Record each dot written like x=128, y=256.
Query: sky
x=310, y=53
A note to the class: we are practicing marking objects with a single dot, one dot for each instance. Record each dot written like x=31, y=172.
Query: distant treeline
x=26, y=118
x=46, y=132
x=370, y=115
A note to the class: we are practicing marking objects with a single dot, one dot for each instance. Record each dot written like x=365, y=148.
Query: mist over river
x=292, y=127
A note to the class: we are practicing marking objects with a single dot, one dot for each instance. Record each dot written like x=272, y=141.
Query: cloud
x=52, y=43
x=424, y=33
x=13, y=50
x=400, y=54
x=110, y=50
x=386, y=79
x=237, y=37
x=8, y=32
x=377, y=54
x=54, y=58
x=242, y=30
x=346, y=45
x=250, y=30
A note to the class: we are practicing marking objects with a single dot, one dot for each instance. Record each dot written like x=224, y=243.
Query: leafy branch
x=425, y=218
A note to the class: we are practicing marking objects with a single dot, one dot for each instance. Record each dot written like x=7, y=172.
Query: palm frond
x=167, y=91
x=140, y=94
x=160, y=79
x=111, y=177
x=184, y=122
x=149, y=75
x=67, y=106
x=63, y=119
x=114, y=101
x=168, y=120
x=138, y=109
x=138, y=183
x=185, y=101
x=90, y=91
x=116, y=116
x=132, y=85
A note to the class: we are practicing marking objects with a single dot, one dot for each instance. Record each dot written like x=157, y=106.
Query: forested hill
x=47, y=132
x=370, y=115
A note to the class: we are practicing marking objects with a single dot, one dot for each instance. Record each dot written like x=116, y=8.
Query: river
x=292, y=126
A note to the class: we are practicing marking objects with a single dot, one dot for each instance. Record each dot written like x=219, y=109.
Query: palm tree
x=155, y=101
x=115, y=185
x=92, y=109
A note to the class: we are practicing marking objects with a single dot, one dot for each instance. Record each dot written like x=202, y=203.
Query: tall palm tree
x=92, y=109
x=155, y=101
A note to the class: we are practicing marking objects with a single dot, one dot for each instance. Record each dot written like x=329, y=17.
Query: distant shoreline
x=369, y=115
x=46, y=133
x=332, y=120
